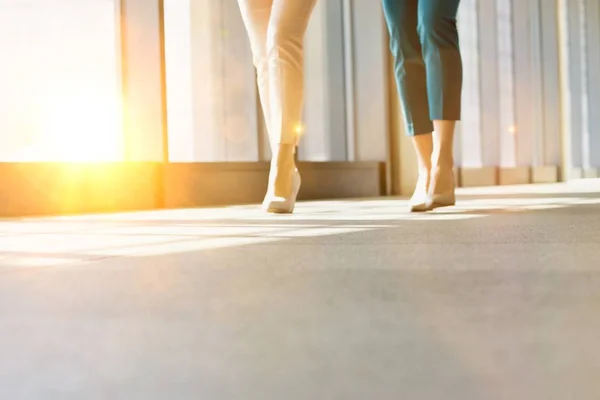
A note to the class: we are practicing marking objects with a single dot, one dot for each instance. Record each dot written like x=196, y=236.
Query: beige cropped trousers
x=276, y=31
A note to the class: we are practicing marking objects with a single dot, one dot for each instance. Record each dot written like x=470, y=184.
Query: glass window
x=59, y=81
x=471, y=117
x=211, y=85
x=506, y=79
x=180, y=104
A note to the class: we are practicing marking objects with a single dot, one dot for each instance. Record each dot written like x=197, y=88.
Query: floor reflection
x=76, y=239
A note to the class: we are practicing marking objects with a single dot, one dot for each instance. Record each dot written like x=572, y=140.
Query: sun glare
x=76, y=125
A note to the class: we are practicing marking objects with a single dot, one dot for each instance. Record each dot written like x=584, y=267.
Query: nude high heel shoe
x=284, y=182
x=443, y=185
x=442, y=189
x=284, y=205
x=423, y=145
x=419, y=200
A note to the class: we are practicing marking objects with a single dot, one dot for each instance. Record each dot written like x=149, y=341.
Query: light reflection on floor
x=40, y=242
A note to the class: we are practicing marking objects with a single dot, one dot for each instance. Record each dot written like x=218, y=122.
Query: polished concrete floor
x=497, y=298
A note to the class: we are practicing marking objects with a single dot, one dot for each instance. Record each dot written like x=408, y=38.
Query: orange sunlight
x=76, y=123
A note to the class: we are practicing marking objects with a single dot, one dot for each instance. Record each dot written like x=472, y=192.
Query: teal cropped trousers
x=427, y=61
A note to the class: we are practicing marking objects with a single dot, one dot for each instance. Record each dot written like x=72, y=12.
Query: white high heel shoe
x=284, y=205
x=446, y=198
x=441, y=200
x=419, y=200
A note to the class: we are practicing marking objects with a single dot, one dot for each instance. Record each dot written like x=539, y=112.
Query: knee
x=395, y=46
x=282, y=43
x=402, y=49
x=395, y=42
x=437, y=31
x=259, y=53
x=261, y=62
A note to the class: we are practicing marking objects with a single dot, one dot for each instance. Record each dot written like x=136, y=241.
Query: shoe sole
x=441, y=205
x=419, y=208
x=443, y=201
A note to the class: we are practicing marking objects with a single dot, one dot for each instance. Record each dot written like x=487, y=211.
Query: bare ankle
x=283, y=166
x=284, y=156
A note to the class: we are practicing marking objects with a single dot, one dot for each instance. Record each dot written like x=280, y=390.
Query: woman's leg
x=285, y=58
x=402, y=19
x=256, y=15
x=441, y=52
x=285, y=54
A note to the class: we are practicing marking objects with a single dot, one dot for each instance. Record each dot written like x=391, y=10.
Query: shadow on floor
x=494, y=299
x=70, y=240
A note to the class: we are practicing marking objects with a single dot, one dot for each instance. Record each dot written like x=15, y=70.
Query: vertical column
x=206, y=89
x=178, y=56
x=565, y=90
x=583, y=77
x=143, y=92
x=324, y=106
x=479, y=126
x=506, y=84
x=581, y=20
x=471, y=119
x=211, y=85
x=489, y=83
x=526, y=107
x=551, y=82
x=574, y=83
x=240, y=128
x=369, y=79
x=537, y=87
x=314, y=145
x=224, y=84
x=510, y=173
x=592, y=15
x=544, y=86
